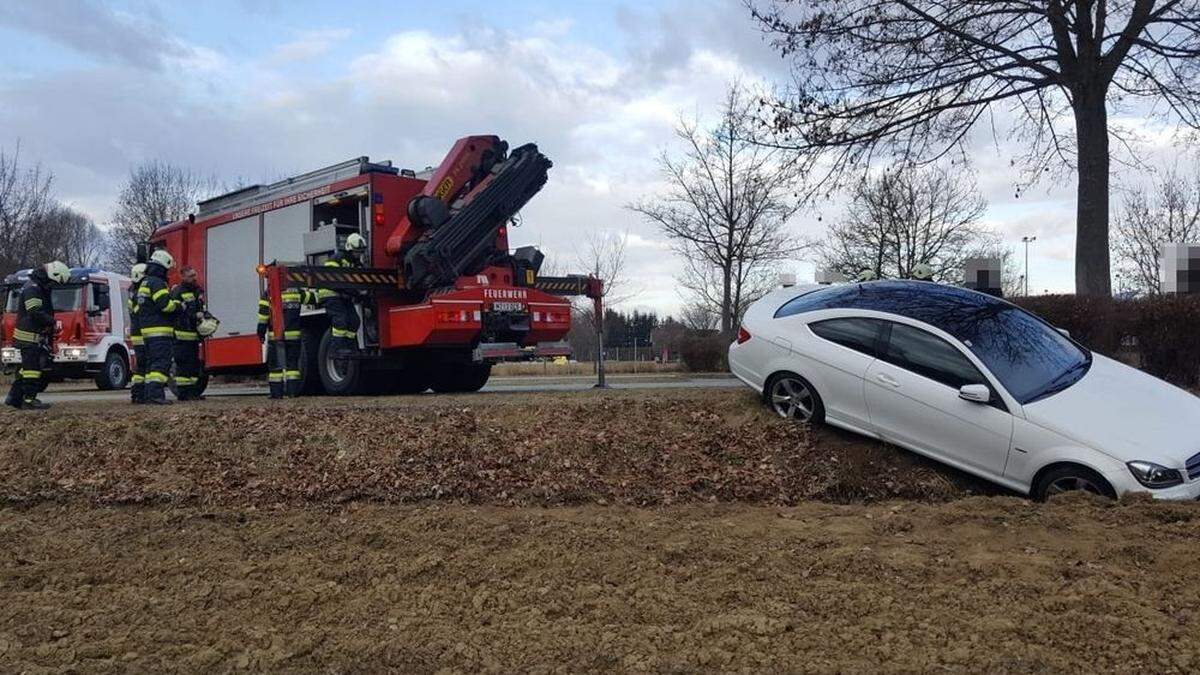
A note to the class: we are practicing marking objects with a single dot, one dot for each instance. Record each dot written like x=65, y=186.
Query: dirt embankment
x=978, y=585
x=644, y=448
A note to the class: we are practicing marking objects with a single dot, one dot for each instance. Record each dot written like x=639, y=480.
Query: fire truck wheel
x=115, y=373
x=462, y=378
x=340, y=377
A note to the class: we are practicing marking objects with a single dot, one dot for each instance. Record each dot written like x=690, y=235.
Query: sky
x=260, y=89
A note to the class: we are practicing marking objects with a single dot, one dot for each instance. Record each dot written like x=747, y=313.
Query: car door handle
x=887, y=379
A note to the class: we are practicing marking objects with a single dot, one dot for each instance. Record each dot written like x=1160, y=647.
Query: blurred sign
x=1180, y=268
x=830, y=277
x=983, y=275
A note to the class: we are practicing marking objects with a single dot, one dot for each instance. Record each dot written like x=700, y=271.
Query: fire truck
x=441, y=297
x=92, y=338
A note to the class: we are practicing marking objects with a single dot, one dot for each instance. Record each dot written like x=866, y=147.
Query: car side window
x=928, y=355
x=861, y=335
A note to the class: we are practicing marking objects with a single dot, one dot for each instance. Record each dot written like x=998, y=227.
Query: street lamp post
x=1026, y=241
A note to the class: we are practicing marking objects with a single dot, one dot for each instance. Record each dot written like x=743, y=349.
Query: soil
x=980, y=584
x=630, y=531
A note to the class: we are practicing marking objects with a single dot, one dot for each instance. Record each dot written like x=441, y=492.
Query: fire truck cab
x=440, y=295
x=92, y=338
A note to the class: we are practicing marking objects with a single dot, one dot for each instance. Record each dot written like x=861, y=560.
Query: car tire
x=1070, y=477
x=804, y=403
x=114, y=374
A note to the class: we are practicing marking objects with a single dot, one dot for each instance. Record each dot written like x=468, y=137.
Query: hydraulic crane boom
x=477, y=188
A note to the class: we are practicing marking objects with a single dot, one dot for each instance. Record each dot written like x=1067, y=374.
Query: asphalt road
x=71, y=393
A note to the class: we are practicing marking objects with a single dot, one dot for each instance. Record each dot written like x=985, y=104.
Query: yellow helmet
x=137, y=272
x=355, y=242
x=208, y=326
x=57, y=271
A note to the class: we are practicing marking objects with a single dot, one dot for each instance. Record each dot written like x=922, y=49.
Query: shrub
x=1160, y=333
x=704, y=352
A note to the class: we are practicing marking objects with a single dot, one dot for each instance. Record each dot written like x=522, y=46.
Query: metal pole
x=1026, y=241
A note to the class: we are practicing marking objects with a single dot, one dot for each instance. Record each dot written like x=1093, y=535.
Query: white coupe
x=972, y=381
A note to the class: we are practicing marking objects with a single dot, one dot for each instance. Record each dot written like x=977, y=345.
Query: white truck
x=92, y=333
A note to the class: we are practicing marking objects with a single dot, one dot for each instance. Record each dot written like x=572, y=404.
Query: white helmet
x=208, y=326
x=866, y=275
x=922, y=272
x=137, y=272
x=57, y=271
x=355, y=242
x=163, y=258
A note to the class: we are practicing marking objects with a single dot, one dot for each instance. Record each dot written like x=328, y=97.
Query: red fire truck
x=442, y=298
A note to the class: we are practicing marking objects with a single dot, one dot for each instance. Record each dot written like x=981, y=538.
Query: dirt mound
x=976, y=585
x=638, y=449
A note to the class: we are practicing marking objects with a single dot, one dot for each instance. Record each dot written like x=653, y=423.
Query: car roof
x=945, y=307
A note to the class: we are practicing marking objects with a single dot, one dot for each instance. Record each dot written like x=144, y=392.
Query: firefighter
x=188, y=366
x=137, y=389
x=33, y=335
x=284, y=378
x=156, y=311
x=339, y=306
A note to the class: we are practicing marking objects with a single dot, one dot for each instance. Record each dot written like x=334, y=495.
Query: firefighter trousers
x=159, y=352
x=31, y=378
x=284, y=379
x=137, y=387
x=188, y=368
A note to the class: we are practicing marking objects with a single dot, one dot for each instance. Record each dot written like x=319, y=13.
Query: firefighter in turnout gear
x=137, y=388
x=34, y=333
x=284, y=374
x=156, y=311
x=188, y=366
x=339, y=306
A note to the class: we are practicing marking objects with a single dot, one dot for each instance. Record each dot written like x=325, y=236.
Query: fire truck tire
x=346, y=377
x=115, y=372
x=462, y=378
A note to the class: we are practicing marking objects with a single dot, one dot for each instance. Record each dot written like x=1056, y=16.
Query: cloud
x=309, y=45
x=95, y=30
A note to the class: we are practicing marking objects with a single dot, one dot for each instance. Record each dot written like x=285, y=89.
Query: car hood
x=1124, y=413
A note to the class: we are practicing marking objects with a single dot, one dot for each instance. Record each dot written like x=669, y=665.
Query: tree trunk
x=1092, y=274
x=726, y=300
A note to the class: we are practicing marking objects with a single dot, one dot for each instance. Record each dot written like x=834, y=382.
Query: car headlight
x=1153, y=475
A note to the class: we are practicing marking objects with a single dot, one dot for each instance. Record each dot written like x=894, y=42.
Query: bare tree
x=603, y=256
x=1165, y=211
x=62, y=233
x=906, y=217
x=726, y=209
x=24, y=197
x=911, y=78
x=699, y=316
x=155, y=192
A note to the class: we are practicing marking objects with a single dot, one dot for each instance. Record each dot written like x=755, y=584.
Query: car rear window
x=861, y=335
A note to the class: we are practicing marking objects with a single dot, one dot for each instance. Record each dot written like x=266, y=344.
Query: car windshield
x=1031, y=359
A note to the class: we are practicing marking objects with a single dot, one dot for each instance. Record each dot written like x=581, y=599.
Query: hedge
x=1159, y=334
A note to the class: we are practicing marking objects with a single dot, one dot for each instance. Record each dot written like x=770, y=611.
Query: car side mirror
x=1064, y=331
x=975, y=393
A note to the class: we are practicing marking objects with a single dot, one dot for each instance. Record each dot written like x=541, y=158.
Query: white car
x=972, y=381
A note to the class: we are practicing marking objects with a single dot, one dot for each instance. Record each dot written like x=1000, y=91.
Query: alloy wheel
x=792, y=399
x=1071, y=484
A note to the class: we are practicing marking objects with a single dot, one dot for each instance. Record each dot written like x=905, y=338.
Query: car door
x=841, y=352
x=912, y=395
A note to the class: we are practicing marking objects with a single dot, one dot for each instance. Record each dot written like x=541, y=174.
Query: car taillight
x=743, y=335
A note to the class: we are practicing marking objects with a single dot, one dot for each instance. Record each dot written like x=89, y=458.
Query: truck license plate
x=507, y=307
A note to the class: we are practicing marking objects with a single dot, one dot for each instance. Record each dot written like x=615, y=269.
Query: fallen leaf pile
x=634, y=450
